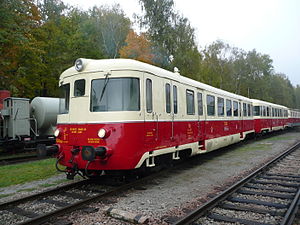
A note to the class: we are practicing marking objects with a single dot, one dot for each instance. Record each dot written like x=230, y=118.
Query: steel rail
x=201, y=211
x=42, y=194
x=79, y=204
x=15, y=160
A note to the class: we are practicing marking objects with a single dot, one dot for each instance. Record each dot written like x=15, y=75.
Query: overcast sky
x=270, y=26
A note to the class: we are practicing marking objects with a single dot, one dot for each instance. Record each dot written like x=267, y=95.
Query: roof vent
x=176, y=70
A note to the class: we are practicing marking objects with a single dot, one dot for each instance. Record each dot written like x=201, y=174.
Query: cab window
x=64, y=99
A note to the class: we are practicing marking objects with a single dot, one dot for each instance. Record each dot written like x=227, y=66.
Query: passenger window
x=175, y=99
x=280, y=112
x=256, y=110
x=220, y=107
x=210, y=105
x=79, y=88
x=190, y=102
x=200, y=104
x=149, y=104
x=228, y=107
x=235, y=108
x=168, y=98
x=244, y=109
x=264, y=111
x=249, y=110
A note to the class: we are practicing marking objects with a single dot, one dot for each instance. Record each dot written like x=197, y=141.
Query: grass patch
x=5, y=195
x=253, y=147
x=60, y=181
x=280, y=138
x=47, y=185
x=26, y=172
x=26, y=189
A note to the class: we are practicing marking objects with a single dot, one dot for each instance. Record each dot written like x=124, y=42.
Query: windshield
x=64, y=98
x=115, y=94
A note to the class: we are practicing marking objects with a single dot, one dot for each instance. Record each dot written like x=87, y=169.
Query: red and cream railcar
x=268, y=116
x=121, y=114
x=293, y=117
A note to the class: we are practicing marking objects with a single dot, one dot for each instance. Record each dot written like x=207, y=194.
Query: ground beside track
x=179, y=191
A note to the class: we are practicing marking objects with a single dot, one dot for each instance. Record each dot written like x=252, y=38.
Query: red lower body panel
x=127, y=142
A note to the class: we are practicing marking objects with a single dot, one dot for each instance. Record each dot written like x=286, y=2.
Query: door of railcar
x=151, y=107
x=170, y=114
x=201, y=114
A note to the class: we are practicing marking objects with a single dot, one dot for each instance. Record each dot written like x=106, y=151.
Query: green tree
x=17, y=45
x=172, y=37
x=112, y=28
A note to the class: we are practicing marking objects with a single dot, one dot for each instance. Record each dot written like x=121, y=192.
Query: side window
x=210, y=105
x=235, y=108
x=64, y=99
x=273, y=112
x=200, y=104
x=190, y=102
x=256, y=110
x=228, y=107
x=149, y=104
x=244, y=109
x=168, y=98
x=264, y=111
x=249, y=110
x=79, y=88
x=175, y=100
x=220, y=106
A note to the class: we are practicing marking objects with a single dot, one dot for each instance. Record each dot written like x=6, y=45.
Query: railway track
x=270, y=195
x=19, y=159
x=40, y=208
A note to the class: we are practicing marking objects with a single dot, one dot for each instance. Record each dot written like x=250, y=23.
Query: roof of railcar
x=103, y=65
x=256, y=101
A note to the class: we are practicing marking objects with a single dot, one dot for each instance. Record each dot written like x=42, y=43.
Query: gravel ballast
x=173, y=195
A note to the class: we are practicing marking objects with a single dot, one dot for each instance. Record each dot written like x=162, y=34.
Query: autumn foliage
x=39, y=39
x=137, y=47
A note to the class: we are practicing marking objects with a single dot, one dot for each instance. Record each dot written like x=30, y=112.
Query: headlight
x=79, y=65
x=102, y=133
x=56, y=132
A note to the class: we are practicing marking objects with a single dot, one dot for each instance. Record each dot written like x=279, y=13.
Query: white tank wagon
x=44, y=111
x=28, y=124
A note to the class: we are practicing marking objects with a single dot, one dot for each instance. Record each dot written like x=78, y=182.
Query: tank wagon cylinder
x=45, y=111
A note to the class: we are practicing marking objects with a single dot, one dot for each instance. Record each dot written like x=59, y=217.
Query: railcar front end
x=100, y=122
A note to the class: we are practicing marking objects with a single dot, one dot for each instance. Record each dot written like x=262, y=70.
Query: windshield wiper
x=104, y=87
